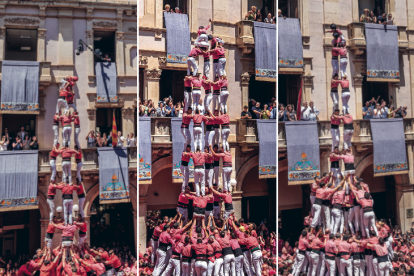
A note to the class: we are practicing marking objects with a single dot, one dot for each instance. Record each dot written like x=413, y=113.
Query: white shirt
x=384, y=112
x=305, y=112
x=379, y=113
x=120, y=143
x=313, y=114
x=201, y=108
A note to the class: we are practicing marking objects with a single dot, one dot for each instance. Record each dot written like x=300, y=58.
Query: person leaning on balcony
x=282, y=113
x=390, y=19
x=17, y=145
x=168, y=9
x=251, y=15
x=34, y=145
x=265, y=113
x=91, y=139
x=365, y=18
x=290, y=113
x=161, y=110
x=373, y=17
x=305, y=112
x=269, y=18
x=4, y=143
x=401, y=112
x=259, y=17
x=245, y=113
x=314, y=112
x=256, y=110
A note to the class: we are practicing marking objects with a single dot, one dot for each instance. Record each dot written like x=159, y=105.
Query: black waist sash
x=184, y=163
x=187, y=89
x=348, y=126
x=209, y=166
x=335, y=164
x=227, y=251
x=318, y=201
x=228, y=206
x=209, y=207
x=358, y=256
x=349, y=166
x=382, y=259
x=367, y=209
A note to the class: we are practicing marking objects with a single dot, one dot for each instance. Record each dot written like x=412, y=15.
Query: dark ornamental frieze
x=22, y=21
x=105, y=24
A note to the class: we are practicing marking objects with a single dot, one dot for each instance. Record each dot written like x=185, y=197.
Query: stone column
x=92, y=118
x=393, y=88
x=65, y=37
x=128, y=121
x=120, y=56
x=142, y=221
x=41, y=45
x=237, y=203
x=153, y=78
x=307, y=88
x=358, y=96
x=158, y=15
x=2, y=42
x=245, y=78
x=43, y=228
x=329, y=103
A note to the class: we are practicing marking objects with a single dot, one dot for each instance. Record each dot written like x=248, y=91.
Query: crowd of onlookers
x=255, y=14
x=257, y=111
x=98, y=140
x=370, y=17
x=21, y=141
x=165, y=108
x=375, y=109
x=288, y=113
x=167, y=8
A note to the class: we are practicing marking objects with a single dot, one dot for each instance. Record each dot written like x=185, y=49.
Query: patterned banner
x=303, y=151
x=267, y=148
x=178, y=37
x=145, y=174
x=265, y=49
x=290, y=43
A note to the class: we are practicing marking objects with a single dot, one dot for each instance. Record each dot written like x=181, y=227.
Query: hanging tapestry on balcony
x=106, y=77
x=382, y=52
x=18, y=178
x=390, y=155
x=290, y=43
x=20, y=85
x=265, y=49
x=302, y=143
x=113, y=175
x=178, y=37
x=145, y=162
x=178, y=148
x=266, y=130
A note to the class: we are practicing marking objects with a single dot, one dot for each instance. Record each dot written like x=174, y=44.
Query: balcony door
x=289, y=86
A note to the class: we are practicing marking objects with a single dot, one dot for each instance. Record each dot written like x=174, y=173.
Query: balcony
x=245, y=37
x=362, y=133
x=89, y=160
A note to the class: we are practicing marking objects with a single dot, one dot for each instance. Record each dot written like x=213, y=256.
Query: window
x=181, y=4
x=105, y=42
x=265, y=7
x=289, y=8
x=377, y=6
x=172, y=84
x=289, y=86
x=13, y=123
x=373, y=89
x=261, y=91
x=21, y=45
x=104, y=118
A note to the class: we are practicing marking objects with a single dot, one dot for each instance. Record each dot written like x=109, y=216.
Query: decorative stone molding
x=120, y=35
x=129, y=12
x=104, y=24
x=143, y=60
x=128, y=112
x=91, y=113
x=42, y=12
x=162, y=61
x=153, y=73
x=42, y=112
x=158, y=34
x=246, y=50
x=194, y=37
x=41, y=32
x=307, y=80
x=120, y=103
x=2, y=31
x=132, y=29
x=22, y=21
x=358, y=80
x=251, y=67
x=245, y=77
x=89, y=34
x=89, y=14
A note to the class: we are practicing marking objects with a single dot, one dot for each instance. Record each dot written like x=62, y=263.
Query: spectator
x=245, y=113
x=4, y=143
x=91, y=139
x=177, y=10
x=400, y=112
x=17, y=145
x=382, y=19
x=365, y=17
x=105, y=139
x=290, y=113
x=373, y=17
x=391, y=112
x=377, y=112
x=305, y=112
x=390, y=19
x=279, y=13
x=314, y=112
x=385, y=110
x=131, y=141
x=251, y=15
x=282, y=113
x=151, y=108
x=265, y=113
x=121, y=140
x=367, y=111
x=178, y=110
x=256, y=110
x=109, y=141
x=269, y=18
x=99, y=140
x=167, y=9
x=26, y=143
x=273, y=111
x=169, y=109
x=259, y=17
x=106, y=58
x=9, y=138
x=161, y=110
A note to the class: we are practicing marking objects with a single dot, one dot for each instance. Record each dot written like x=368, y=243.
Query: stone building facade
x=58, y=26
x=159, y=79
x=394, y=192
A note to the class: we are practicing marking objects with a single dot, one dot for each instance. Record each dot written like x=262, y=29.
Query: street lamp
x=81, y=47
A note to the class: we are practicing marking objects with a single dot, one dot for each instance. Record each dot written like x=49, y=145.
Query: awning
x=106, y=77
x=390, y=154
x=302, y=151
x=267, y=148
x=382, y=52
x=265, y=49
x=290, y=43
x=20, y=86
x=178, y=37
x=18, y=180
x=145, y=162
x=113, y=175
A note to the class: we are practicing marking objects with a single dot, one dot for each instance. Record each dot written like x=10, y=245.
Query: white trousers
x=196, y=98
x=78, y=171
x=67, y=173
x=201, y=268
x=209, y=177
x=186, y=269
x=384, y=268
x=357, y=217
x=210, y=268
x=207, y=68
x=336, y=219
x=216, y=70
x=362, y=223
x=199, y=181
x=343, y=65
x=48, y=243
x=315, y=261
x=335, y=66
x=197, y=134
x=223, y=101
x=216, y=140
x=222, y=66
x=188, y=100
x=345, y=265
x=216, y=174
x=351, y=218
x=161, y=262
x=82, y=240
x=77, y=131
x=56, y=132
x=208, y=138
x=202, y=40
x=68, y=205
x=247, y=263
x=257, y=262
x=299, y=262
x=173, y=265
x=60, y=103
x=229, y=265
x=192, y=63
x=218, y=267
x=186, y=176
x=348, y=133
x=52, y=164
x=334, y=97
x=51, y=203
x=225, y=132
x=207, y=100
x=331, y=265
x=216, y=102
x=66, y=133
x=239, y=265
x=187, y=137
x=81, y=204
x=326, y=216
x=335, y=137
x=154, y=245
x=226, y=175
x=184, y=213
x=73, y=106
x=317, y=212
x=369, y=221
x=359, y=267
x=345, y=100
